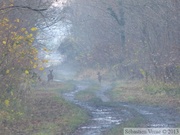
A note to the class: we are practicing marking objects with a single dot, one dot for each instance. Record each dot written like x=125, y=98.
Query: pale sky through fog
x=55, y=36
x=59, y=3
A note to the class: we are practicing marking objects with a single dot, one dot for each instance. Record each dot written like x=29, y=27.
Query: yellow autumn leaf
x=6, y=19
x=31, y=62
x=17, y=20
x=6, y=102
x=35, y=58
x=30, y=35
x=41, y=68
x=23, y=29
x=35, y=66
x=26, y=72
x=33, y=29
x=12, y=93
x=7, y=71
x=4, y=42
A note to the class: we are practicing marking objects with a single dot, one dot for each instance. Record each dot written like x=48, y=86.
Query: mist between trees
x=130, y=38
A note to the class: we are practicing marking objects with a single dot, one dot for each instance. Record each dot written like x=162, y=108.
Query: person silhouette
x=50, y=75
x=99, y=77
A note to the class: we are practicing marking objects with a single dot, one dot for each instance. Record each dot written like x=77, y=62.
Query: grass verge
x=89, y=94
x=56, y=86
x=45, y=112
x=137, y=92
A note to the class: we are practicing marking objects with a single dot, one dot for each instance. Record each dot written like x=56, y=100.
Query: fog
x=89, y=67
x=131, y=39
x=51, y=39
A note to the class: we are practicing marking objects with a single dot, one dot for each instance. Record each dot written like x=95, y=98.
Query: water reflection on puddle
x=145, y=112
x=103, y=117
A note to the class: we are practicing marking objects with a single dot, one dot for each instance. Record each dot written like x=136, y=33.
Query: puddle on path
x=156, y=116
x=104, y=117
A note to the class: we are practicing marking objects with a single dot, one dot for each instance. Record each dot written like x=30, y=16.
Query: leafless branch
x=24, y=7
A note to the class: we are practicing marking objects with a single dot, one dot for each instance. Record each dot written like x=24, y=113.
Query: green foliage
x=169, y=89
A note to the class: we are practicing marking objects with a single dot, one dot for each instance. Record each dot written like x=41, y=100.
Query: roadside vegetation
x=124, y=46
x=89, y=94
x=28, y=104
x=45, y=112
x=136, y=91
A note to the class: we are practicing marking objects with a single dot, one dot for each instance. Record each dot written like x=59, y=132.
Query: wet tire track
x=157, y=116
x=102, y=117
x=105, y=117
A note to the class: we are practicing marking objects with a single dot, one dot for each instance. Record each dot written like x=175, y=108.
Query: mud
x=104, y=117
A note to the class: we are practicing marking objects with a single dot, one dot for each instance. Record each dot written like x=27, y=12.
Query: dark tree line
x=133, y=38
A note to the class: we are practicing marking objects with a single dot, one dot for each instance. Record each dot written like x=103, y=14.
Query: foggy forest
x=89, y=67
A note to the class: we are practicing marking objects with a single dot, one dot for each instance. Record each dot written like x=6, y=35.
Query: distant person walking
x=50, y=75
x=99, y=77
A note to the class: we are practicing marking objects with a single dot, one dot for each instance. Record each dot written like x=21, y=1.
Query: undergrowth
x=45, y=112
x=166, y=88
x=136, y=91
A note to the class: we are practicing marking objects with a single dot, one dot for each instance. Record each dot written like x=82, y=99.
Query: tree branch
x=24, y=7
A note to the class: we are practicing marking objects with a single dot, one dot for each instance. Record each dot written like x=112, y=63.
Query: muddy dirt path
x=104, y=117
